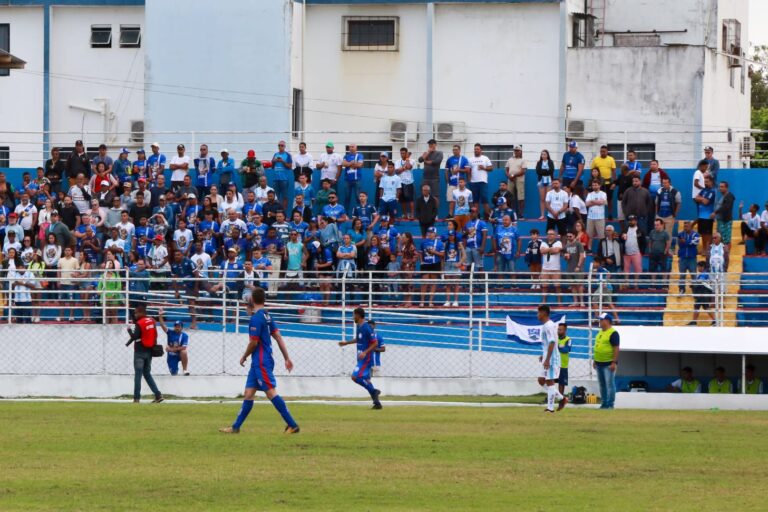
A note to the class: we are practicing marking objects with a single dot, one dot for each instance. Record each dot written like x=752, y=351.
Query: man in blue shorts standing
x=178, y=341
x=366, y=343
x=261, y=329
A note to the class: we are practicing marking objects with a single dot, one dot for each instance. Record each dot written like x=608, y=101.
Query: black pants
x=559, y=225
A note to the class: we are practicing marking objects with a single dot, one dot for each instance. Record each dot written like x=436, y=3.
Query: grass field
x=97, y=456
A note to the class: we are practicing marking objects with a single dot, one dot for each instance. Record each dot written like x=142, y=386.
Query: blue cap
x=140, y=151
x=385, y=218
x=431, y=230
x=178, y=323
x=606, y=316
x=501, y=201
x=573, y=144
x=124, y=151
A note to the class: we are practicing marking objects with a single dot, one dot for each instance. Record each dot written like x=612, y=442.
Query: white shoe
x=455, y=304
x=58, y=319
x=376, y=370
x=446, y=304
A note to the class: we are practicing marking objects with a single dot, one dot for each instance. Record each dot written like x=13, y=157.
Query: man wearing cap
x=122, y=166
x=516, y=169
x=713, y=164
x=225, y=168
x=155, y=163
x=12, y=238
x=176, y=346
x=158, y=257
x=282, y=163
x=78, y=162
x=102, y=157
x=572, y=165
x=350, y=167
x=303, y=164
x=141, y=190
x=329, y=164
x=606, y=359
x=251, y=170
x=141, y=166
x=179, y=168
x=205, y=166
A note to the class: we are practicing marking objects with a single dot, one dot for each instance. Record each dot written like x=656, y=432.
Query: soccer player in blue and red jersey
x=261, y=329
x=380, y=347
x=366, y=343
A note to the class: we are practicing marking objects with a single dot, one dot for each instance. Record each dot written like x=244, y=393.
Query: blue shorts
x=260, y=376
x=363, y=369
x=173, y=362
x=390, y=208
x=563, y=379
x=479, y=192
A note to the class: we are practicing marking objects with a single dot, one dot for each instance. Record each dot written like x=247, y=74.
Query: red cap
x=251, y=153
x=142, y=179
x=159, y=238
x=13, y=216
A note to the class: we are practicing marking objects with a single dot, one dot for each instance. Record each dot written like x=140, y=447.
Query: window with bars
x=498, y=154
x=645, y=153
x=130, y=36
x=370, y=33
x=5, y=157
x=371, y=154
x=5, y=44
x=101, y=36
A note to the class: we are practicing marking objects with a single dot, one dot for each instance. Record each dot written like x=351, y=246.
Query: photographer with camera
x=144, y=338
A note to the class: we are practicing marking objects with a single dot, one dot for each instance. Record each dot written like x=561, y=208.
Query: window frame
x=127, y=29
x=100, y=29
x=346, y=32
x=646, y=151
x=371, y=153
x=496, y=150
x=5, y=157
x=6, y=47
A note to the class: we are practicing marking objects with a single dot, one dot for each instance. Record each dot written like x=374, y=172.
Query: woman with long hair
x=43, y=221
x=110, y=286
x=51, y=256
x=359, y=238
x=407, y=264
x=545, y=170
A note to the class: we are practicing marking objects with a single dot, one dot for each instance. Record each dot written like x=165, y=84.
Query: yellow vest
x=603, y=351
x=689, y=387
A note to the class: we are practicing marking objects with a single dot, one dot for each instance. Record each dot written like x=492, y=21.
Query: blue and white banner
x=527, y=329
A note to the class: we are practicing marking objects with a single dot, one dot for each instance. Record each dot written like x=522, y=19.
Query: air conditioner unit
x=137, y=131
x=450, y=132
x=734, y=59
x=747, y=147
x=399, y=130
x=582, y=129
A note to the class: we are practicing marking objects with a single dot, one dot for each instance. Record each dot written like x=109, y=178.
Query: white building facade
x=662, y=77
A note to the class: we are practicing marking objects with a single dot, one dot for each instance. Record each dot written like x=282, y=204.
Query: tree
x=759, y=77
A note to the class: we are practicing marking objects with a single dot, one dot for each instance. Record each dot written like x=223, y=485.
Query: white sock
x=559, y=395
x=551, y=392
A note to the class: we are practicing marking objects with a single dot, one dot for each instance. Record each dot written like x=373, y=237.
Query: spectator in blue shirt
x=205, y=166
x=687, y=249
x=282, y=167
x=457, y=166
x=350, y=169
x=572, y=165
x=365, y=212
x=333, y=210
x=705, y=207
x=225, y=169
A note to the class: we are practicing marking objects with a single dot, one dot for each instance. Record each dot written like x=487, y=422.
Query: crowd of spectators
x=74, y=224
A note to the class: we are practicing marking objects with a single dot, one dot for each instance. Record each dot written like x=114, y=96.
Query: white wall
x=80, y=74
x=21, y=93
x=230, y=63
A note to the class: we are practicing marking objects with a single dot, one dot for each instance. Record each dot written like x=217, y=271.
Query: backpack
x=579, y=395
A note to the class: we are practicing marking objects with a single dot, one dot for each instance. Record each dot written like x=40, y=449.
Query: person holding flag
x=550, y=360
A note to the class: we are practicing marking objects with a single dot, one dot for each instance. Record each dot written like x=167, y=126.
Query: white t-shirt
x=596, y=212
x=68, y=266
x=764, y=218
x=202, y=264
x=183, y=238
x=332, y=162
x=157, y=254
x=577, y=203
x=25, y=214
x=631, y=245
x=261, y=194
x=390, y=185
x=304, y=160
x=406, y=176
x=697, y=175
x=463, y=200
x=126, y=231
x=78, y=198
x=477, y=175
x=225, y=206
x=551, y=261
x=556, y=201
x=178, y=174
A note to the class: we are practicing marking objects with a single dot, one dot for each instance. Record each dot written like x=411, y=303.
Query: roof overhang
x=8, y=61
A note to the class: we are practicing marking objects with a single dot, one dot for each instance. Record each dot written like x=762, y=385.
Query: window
x=5, y=43
x=371, y=154
x=498, y=154
x=370, y=33
x=130, y=36
x=5, y=157
x=101, y=36
x=743, y=74
x=645, y=153
x=297, y=113
x=583, y=31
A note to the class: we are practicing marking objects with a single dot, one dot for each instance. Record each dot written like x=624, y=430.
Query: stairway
x=680, y=307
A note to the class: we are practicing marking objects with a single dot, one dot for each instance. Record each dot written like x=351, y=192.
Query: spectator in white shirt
x=230, y=203
x=596, y=201
x=404, y=168
x=557, y=204
x=80, y=194
x=303, y=164
x=329, y=165
x=179, y=166
x=22, y=281
x=481, y=166
x=27, y=213
x=262, y=191
x=550, y=265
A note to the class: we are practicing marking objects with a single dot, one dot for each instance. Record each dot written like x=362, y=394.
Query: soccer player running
x=380, y=347
x=366, y=343
x=550, y=360
x=261, y=329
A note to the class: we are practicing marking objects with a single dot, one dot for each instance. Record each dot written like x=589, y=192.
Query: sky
x=758, y=22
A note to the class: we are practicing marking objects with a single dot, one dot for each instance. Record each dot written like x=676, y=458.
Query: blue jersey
x=497, y=216
x=474, y=233
x=242, y=246
x=351, y=174
x=429, y=258
x=307, y=192
x=262, y=326
x=300, y=228
x=365, y=337
x=248, y=207
x=572, y=162
x=177, y=339
x=705, y=210
x=154, y=160
x=506, y=241
x=145, y=231
x=208, y=225
x=388, y=237
x=281, y=168
x=184, y=269
x=459, y=162
x=334, y=211
x=666, y=199
x=257, y=233
x=191, y=215
x=452, y=252
x=365, y=214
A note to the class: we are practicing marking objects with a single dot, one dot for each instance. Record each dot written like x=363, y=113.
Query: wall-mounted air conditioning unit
x=747, y=147
x=450, y=132
x=399, y=130
x=582, y=129
x=137, y=131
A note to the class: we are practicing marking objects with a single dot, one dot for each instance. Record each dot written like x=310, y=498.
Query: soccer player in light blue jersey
x=261, y=329
x=550, y=360
x=366, y=344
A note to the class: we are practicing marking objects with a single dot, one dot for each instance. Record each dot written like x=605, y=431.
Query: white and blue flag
x=528, y=329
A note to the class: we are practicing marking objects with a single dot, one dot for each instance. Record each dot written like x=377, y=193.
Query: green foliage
x=114, y=457
x=759, y=78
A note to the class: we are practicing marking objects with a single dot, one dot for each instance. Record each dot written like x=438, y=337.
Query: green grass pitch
x=112, y=457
